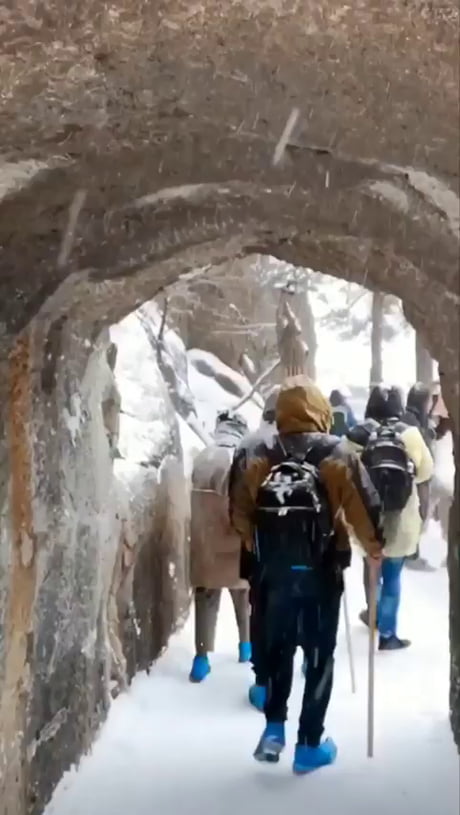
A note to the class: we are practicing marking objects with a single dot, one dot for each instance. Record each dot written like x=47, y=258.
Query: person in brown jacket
x=215, y=548
x=302, y=604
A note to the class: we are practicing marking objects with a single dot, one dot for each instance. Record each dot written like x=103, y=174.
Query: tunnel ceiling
x=167, y=115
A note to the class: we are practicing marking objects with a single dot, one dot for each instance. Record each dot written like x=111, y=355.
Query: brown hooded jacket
x=303, y=418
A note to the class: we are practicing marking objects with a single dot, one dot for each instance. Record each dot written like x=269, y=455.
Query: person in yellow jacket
x=402, y=529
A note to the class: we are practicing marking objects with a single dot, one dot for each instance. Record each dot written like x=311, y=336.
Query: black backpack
x=391, y=470
x=292, y=519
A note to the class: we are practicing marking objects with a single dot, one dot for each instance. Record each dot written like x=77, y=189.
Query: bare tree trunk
x=310, y=335
x=423, y=362
x=378, y=306
x=293, y=351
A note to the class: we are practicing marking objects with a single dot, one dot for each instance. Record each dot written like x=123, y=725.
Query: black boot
x=392, y=643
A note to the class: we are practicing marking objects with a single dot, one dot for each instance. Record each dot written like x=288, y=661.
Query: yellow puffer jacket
x=402, y=532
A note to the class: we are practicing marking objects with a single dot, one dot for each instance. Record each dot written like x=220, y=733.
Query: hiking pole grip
x=373, y=573
x=348, y=636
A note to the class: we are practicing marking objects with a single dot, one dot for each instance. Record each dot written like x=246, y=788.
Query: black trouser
x=257, y=600
x=300, y=611
x=250, y=571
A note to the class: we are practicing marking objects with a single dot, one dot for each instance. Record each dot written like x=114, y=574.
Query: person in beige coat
x=215, y=547
x=401, y=529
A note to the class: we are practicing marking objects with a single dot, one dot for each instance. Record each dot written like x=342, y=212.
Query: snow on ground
x=173, y=748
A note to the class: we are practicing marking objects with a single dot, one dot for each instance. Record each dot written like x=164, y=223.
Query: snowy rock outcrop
x=151, y=586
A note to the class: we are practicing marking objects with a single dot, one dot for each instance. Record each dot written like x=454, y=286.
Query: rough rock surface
x=59, y=544
x=61, y=528
x=152, y=593
x=147, y=133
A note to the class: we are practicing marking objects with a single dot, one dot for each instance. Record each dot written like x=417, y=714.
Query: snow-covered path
x=172, y=748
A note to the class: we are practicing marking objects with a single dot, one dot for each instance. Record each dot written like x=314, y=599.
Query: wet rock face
x=60, y=536
x=59, y=542
x=155, y=596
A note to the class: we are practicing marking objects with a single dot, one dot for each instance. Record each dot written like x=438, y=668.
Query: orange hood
x=302, y=408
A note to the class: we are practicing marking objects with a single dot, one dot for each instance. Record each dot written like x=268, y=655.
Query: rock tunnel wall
x=80, y=610
x=61, y=544
x=55, y=427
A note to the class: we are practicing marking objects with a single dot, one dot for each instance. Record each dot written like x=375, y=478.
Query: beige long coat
x=215, y=546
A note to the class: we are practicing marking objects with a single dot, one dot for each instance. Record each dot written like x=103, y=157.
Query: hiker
x=247, y=448
x=214, y=546
x=343, y=418
x=301, y=554
x=397, y=460
x=417, y=414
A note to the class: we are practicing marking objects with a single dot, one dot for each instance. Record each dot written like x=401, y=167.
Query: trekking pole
x=371, y=664
x=348, y=636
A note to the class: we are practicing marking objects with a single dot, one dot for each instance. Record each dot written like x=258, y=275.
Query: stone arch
x=359, y=220
x=174, y=148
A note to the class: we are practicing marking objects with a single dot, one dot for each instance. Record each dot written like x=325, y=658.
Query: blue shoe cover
x=307, y=759
x=245, y=652
x=200, y=669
